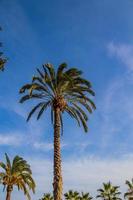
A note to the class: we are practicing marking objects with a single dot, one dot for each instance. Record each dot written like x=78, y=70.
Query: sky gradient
x=95, y=36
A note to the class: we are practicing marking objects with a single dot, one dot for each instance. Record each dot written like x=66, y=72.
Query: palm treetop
x=64, y=90
x=109, y=192
x=47, y=196
x=130, y=188
x=17, y=173
x=72, y=195
x=85, y=196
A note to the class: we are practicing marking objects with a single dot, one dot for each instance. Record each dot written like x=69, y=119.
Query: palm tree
x=17, y=173
x=3, y=60
x=130, y=189
x=47, y=196
x=62, y=91
x=109, y=192
x=85, y=196
x=72, y=195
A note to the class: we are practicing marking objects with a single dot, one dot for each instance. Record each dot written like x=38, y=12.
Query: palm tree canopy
x=47, y=196
x=85, y=196
x=130, y=188
x=63, y=89
x=109, y=192
x=71, y=195
x=17, y=173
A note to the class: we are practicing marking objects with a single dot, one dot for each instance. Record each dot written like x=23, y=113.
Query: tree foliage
x=130, y=188
x=109, y=192
x=65, y=89
x=72, y=195
x=17, y=173
x=85, y=196
x=47, y=196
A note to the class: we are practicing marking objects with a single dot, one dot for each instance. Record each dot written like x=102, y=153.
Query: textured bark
x=57, y=183
x=9, y=190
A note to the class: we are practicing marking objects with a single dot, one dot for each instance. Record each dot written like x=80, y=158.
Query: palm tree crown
x=72, y=195
x=130, y=188
x=47, y=196
x=109, y=192
x=64, y=89
x=17, y=173
x=85, y=196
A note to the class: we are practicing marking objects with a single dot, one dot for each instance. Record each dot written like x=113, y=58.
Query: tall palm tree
x=109, y=192
x=47, y=196
x=17, y=173
x=3, y=60
x=62, y=91
x=85, y=196
x=130, y=189
x=72, y=195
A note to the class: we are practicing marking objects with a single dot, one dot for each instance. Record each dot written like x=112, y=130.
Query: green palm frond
x=17, y=173
x=85, y=196
x=8, y=163
x=72, y=195
x=47, y=196
x=3, y=165
x=130, y=188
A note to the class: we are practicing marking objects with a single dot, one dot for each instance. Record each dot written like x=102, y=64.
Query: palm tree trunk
x=57, y=183
x=9, y=190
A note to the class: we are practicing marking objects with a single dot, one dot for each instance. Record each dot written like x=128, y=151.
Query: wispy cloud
x=116, y=104
x=43, y=146
x=124, y=52
x=117, y=114
x=10, y=139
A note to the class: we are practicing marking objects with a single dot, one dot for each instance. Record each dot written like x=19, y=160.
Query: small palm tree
x=85, y=196
x=109, y=192
x=63, y=91
x=71, y=195
x=130, y=189
x=3, y=60
x=47, y=196
x=17, y=173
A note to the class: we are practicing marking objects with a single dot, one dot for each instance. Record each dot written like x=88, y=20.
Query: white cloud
x=124, y=52
x=10, y=139
x=43, y=146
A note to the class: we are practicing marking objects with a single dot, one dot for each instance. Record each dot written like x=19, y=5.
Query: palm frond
x=34, y=109
x=43, y=108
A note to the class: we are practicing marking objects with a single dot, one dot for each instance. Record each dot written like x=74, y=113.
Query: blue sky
x=95, y=36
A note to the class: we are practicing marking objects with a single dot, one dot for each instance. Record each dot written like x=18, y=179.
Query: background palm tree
x=130, y=189
x=85, y=196
x=71, y=195
x=17, y=173
x=109, y=192
x=63, y=91
x=47, y=196
x=3, y=60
